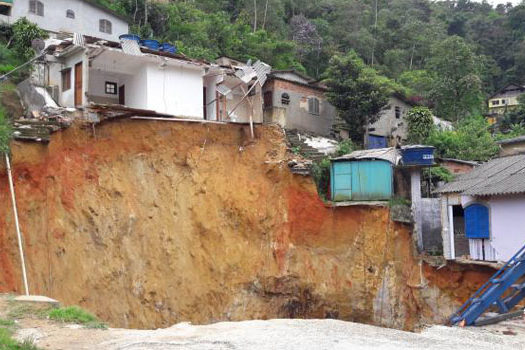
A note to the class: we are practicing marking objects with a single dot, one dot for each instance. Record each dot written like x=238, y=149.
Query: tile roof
x=498, y=176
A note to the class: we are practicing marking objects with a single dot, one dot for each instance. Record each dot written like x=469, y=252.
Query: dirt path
x=271, y=334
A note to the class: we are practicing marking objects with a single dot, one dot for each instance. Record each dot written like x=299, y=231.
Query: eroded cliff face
x=150, y=223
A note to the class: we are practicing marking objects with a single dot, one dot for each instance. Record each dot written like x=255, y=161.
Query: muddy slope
x=151, y=223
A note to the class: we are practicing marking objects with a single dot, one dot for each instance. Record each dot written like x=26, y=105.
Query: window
x=398, y=112
x=70, y=14
x=285, y=98
x=495, y=102
x=503, y=102
x=105, y=26
x=36, y=7
x=5, y=10
x=66, y=79
x=313, y=105
x=111, y=88
x=477, y=221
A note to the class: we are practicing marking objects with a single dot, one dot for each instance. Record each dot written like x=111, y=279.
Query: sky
x=495, y=2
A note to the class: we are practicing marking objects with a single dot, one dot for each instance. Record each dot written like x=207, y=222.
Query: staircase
x=503, y=290
x=296, y=143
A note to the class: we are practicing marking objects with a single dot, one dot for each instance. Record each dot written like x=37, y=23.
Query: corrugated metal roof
x=499, y=176
x=389, y=154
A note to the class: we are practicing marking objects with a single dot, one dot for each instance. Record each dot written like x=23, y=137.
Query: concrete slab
x=38, y=299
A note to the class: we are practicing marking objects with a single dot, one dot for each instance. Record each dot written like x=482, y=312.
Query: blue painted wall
x=376, y=142
x=362, y=180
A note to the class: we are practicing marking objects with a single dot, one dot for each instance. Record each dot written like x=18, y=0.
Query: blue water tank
x=130, y=37
x=417, y=155
x=167, y=47
x=150, y=44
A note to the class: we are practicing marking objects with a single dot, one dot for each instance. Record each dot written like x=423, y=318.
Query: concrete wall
x=67, y=98
x=97, y=86
x=210, y=83
x=507, y=225
x=296, y=114
x=448, y=200
x=174, y=90
x=431, y=224
x=86, y=19
x=387, y=124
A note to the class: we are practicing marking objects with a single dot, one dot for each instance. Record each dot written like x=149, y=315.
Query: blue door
x=341, y=181
x=477, y=221
x=371, y=180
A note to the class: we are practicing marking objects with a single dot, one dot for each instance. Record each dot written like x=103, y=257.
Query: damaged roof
x=391, y=155
x=499, y=176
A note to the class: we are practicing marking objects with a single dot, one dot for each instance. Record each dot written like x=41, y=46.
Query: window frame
x=8, y=10
x=36, y=7
x=70, y=12
x=112, y=86
x=397, y=112
x=105, y=26
x=66, y=79
x=314, y=106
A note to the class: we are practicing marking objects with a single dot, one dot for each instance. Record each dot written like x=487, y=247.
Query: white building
x=85, y=72
x=483, y=211
x=86, y=17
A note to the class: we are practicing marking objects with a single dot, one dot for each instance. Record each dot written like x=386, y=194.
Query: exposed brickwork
x=295, y=87
x=457, y=168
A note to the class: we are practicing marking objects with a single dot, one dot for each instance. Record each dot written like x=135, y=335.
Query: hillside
x=400, y=39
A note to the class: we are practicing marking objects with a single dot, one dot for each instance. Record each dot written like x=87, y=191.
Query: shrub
x=420, y=124
x=75, y=314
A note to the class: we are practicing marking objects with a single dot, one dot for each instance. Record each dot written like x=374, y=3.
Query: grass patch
x=8, y=343
x=74, y=314
x=6, y=323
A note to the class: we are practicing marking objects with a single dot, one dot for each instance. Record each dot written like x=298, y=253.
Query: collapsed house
x=89, y=75
x=482, y=211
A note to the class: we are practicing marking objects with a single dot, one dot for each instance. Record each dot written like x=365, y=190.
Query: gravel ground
x=272, y=334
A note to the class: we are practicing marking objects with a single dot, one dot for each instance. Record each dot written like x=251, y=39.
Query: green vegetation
x=440, y=173
x=321, y=175
x=357, y=91
x=420, y=124
x=74, y=314
x=345, y=147
x=471, y=140
x=7, y=342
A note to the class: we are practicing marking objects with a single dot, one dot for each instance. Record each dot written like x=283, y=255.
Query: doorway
x=460, y=245
x=78, y=84
x=121, y=95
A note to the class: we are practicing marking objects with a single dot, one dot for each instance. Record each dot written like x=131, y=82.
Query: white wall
x=135, y=88
x=507, y=225
x=175, y=90
x=67, y=98
x=86, y=19
x=211, y=87
x=97, y=84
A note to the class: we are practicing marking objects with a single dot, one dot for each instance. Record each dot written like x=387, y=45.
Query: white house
x=71, y=16
x=483, y=211
x=108, y=74
x=84, y=72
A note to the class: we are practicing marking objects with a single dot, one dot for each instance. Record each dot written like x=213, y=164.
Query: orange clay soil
x=151, y=223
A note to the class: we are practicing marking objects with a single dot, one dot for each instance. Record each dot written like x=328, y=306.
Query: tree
x=456, y=89
x=420, y=124
x=357, y=91
x=24, y=32
x=471, y=140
